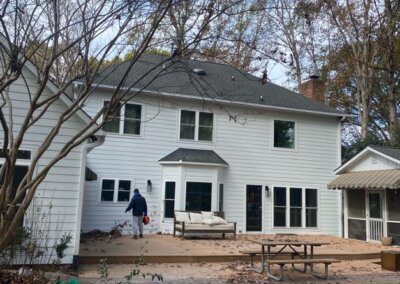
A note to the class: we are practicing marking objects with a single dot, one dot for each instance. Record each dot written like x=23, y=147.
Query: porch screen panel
x=393, y=204
x=198, y=196
x=394, y=232
x=357, y=229
x=356, y=203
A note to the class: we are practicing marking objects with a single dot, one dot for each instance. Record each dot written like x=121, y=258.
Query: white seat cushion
x=200, y=227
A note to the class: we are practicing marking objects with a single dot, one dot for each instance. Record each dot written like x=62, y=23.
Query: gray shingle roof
x=221, y=82
x=391, y=152
x=194, y=156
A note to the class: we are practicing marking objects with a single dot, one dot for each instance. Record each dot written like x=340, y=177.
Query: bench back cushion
x=196, y=218
x=182, y=216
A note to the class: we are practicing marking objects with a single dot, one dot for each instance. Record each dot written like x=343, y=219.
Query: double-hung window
x=284, y=134
x=195, y=125
x=115, y=190
x=295, y=207
x=124, y=119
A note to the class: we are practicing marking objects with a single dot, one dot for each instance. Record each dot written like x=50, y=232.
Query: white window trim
x=303, y=210
x=163, y=200
x=296, y=126
x=196, y=128
x=122, y=121
x=115, y=195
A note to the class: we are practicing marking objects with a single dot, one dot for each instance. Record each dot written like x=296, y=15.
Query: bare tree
x=355, y=22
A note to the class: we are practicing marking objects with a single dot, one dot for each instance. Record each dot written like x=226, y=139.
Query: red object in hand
x=146, y=220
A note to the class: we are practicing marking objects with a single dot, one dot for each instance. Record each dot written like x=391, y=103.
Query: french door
x=375, y=217
x=253, y=208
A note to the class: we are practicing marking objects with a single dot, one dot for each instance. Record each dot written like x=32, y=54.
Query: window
x=109, y=192
x=124, y=190
x=113, y=120
x=205, y=126
x=188, y=124
x=221, y=197
x=125, y=119
x=284, y=134
x=198, y=196
x=169, y=201
x=279, y=206
x=295, y=207
x=196, y=126
x=311, y=207
x=133, y=115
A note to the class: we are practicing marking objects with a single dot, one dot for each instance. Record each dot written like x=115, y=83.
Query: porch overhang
x=194, y=157
x=382, y=179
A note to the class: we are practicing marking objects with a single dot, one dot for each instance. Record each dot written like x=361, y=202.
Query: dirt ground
x=363, y=271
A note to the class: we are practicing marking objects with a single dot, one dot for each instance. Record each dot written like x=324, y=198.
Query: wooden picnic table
x=293, y=246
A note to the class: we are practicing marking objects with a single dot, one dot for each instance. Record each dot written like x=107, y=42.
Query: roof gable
x=391, y=154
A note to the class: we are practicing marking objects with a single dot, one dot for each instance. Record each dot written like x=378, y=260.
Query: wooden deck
x=166, y=249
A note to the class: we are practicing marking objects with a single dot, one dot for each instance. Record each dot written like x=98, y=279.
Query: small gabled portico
x=371, y=190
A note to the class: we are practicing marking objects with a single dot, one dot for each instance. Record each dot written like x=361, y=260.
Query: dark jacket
x=138, y=205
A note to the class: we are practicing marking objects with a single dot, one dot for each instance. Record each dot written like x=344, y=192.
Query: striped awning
x=383, y=179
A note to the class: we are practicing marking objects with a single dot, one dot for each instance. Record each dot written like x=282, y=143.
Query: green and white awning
x=383, y=179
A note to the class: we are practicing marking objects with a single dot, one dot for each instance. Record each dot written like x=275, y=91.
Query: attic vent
x=199, y=71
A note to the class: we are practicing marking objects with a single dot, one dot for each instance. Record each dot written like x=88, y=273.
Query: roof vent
x=261, y=99
x=233, y=78
x=199, y=71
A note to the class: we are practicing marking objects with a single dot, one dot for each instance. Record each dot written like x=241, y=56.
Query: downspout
x=98, y=140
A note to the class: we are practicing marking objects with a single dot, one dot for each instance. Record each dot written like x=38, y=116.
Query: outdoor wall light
x=267, y=192
x=149, y=185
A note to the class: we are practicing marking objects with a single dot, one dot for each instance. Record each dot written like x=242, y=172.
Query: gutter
x=176, y=95
x=85, y=150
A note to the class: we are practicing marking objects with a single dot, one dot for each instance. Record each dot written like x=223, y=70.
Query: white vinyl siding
x=57, y=196
x=245, y=145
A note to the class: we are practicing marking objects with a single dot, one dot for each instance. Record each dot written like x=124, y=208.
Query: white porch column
x=345, y=213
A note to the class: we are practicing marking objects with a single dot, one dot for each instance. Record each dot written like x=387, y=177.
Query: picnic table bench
x=268, y=257
x=253, y=253
x=310, y=261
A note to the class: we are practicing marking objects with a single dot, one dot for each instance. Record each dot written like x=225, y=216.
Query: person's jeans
x=137, y=225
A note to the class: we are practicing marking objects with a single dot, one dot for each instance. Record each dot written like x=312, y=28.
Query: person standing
x=138, y=206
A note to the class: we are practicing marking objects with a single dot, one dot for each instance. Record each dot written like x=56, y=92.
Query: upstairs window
x=188, y=124
x=197, y=126
x=125, y=119
x=284, y=134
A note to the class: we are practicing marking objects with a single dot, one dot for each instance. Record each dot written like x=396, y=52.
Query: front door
x=375, y=215
x=253, y=208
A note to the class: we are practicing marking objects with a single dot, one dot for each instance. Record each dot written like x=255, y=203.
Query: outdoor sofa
x=212, y=223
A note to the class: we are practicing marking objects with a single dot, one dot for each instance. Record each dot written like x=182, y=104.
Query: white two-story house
x=205, y=136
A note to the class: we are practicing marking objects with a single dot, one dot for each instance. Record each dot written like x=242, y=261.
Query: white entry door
x=375, y=219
